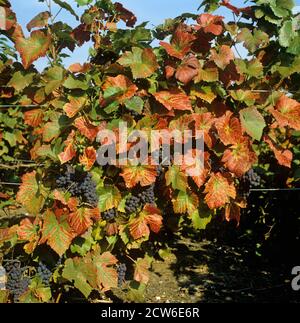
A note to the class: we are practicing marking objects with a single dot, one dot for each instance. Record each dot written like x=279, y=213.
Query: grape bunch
x=147, y=196
x=132, y=204
x=121, y=270
x=109, y=214
x=17, y=284
x=249, y=180
x=79, y=185
x=44, y=272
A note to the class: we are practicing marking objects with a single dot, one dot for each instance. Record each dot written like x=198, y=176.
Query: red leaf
x=4, y=196
x=229, y=129
x=180, y=44
x=88, y=158
x=222, y=56
x=150, y=216
x=127, y=16
x=188, y=69
x=287, y=112
x=240, y=157
x=220, y=188
x=69, y=152
x=141, y=271
x=174, y=99
x=204, y=122
x=86, y=128
x=80, y=220
x=81, y=34
x=71, y=203
x=210, y=23
x=144, y=175
x=283, y=156
x=34, y=117
x=233, y=212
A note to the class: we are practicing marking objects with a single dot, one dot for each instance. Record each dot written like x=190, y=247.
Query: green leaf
x=286, y=34
x=253, y=122
x=53, y=78
x=253, y=41
x=78, y=270
x=11, y=138
x=135, y=104
x=253, y=68
x=109, y=197
x=40, y=20
x=185, y=202
x=67, y=7
x=83, y=2
x=176, y=178
x=200, y=221
x=20, y=80
x=141, y=61
x=72, y=83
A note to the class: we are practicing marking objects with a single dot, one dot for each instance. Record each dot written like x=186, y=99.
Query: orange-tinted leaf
x=80, y=220
x=71, y=202
x=125, y=89
x=88, y=158
x=7, y=234
x=188, y=69
x=34, y=117
x=233, y=212
x=78, y=68
x=229, y=129
x=180, y=44
x=107, y=276
x=240, y=157
x=40, y=20
x=56, y=232
x=69, y=152
x=86, y=128
x=283, y=156
x=173, y=100
x=74, y=106
x=28, y=231
x=222, y=56
x=219, y=189
x=149, y=217
x=185, y=202
x=287, y=112
x=141, y=271
x=204, y=122
x=144, y=175
x=30, y=193
x=32, y=48
x=210, y=23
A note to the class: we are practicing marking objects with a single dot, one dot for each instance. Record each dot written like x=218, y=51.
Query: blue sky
x=154, y=11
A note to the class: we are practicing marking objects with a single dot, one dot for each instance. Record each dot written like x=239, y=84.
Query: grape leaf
x=253, y=122
x=173, y=99
x=176, y=178
x=109, y=197
x=222, y=56
x=219, y=189
x=40, y=20
x=86, y=128
x=185, y=202
x=144, y=175
x=287, y=112
x=56, y=232
x=32, y=48
x=30, y=193
x=240, y=157
x=34, y=117
x=211, y=23
x=142, y=62
x=253, y=41
x=88, y=158
x=283, y=156
x=20, y=80
x=67, y=7
x=141, y=271
x=80, y=220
